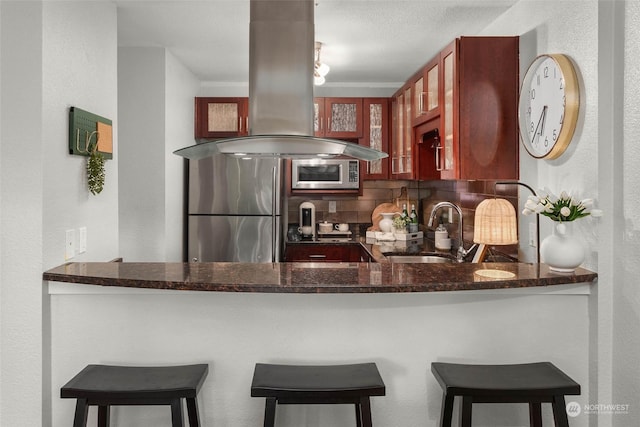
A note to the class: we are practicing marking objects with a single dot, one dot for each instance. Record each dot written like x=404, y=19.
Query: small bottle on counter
x=442, y=236
x=413, y=220
x=405, y=216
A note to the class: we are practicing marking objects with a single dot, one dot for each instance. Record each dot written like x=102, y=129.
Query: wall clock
x=548, y=106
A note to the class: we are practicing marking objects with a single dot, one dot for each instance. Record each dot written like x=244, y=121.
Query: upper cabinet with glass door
x=426, y=92
x=221, y=117
x=402, y=135
x=376, y=136
x=338, y=117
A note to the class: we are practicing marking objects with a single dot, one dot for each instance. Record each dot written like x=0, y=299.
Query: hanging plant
x=95, y=170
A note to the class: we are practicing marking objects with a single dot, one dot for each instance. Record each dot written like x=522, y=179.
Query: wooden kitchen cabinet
x=326, y=252
x=428, y=149
x=479, y=102
x=375, y=135
x=221, y=117
x=402, y=135
x=339, y=118
x=426, y=92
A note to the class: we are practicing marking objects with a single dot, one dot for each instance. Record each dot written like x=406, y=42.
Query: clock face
x=548, y=108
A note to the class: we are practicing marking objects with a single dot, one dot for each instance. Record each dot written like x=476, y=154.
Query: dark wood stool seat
x=325, y=384
x=532, y=383
x=104, y=386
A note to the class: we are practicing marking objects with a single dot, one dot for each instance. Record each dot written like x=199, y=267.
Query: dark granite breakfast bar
x=381, y=277
x=400, y=316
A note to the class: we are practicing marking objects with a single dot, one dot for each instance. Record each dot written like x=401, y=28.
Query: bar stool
x=104, y=386
x=532, y=383
x=330, y=384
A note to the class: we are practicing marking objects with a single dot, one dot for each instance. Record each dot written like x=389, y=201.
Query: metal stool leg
x=270, y=412
x=82, y=411
x=192, y=411
x=176, y=413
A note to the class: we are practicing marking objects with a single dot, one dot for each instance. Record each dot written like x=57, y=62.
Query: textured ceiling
x=377, y=42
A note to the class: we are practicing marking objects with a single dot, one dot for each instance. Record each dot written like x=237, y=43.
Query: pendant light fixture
x=320, y=69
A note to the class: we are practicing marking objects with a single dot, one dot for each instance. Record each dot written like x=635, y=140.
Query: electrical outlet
x=70, y=244
x=332, y=206
x=532, y=235
x=82, y=241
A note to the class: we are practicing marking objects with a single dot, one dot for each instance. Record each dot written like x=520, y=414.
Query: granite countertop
x=313, y=277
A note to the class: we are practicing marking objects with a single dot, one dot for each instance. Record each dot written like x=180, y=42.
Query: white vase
x=386, y=223
x=561, y=250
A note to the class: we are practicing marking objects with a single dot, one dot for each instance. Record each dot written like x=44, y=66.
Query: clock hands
x=540, y=120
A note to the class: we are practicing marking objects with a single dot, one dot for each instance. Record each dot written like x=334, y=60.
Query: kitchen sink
x=421, y=259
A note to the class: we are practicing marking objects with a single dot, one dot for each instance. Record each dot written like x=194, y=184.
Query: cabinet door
x=343, y=118
x=426, y=93
x=479, y=108
x=397, y=109
x=376, y=136
x=221, y=117
x=318, y=117
x=449, y=135
x=488, y=69
x=402, y=139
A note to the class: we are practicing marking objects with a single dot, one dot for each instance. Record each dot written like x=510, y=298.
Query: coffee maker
x=307, y=216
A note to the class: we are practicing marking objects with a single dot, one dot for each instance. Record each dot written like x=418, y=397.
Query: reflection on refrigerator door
x=232, y=238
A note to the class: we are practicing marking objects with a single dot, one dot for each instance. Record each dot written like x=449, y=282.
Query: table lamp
x=495, y=224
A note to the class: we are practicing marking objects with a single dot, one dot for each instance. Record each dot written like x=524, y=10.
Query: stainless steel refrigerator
x=234, y=209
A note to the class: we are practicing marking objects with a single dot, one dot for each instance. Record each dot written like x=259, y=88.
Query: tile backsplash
x=358, y=209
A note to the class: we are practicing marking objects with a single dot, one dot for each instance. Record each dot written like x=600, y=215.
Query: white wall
x=54, y=66
x=181, y=87
x=626, y=325
x=155, y=98
x=141, y=113
x=21, y=214
x=79, y=69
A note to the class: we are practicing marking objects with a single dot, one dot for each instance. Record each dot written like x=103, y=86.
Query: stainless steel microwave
x=325, y=174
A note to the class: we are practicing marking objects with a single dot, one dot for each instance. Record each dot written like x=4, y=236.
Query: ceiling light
x=320, y=69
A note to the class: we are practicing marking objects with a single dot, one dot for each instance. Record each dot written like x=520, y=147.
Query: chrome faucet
x=462, y=252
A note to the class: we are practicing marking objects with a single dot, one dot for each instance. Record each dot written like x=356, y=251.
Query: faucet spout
x=462, y=252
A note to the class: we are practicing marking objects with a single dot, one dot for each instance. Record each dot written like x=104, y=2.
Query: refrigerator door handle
x=274, y=201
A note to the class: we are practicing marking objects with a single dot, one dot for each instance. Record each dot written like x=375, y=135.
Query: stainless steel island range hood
x=281, y=116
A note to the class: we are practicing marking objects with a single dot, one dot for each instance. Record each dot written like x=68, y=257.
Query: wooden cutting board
x=380, y=209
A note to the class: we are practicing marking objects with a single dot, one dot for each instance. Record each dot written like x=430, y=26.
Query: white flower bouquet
x=562, y=209
x=400, y=223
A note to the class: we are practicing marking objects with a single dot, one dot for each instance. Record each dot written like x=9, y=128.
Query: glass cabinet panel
x=223, y=117
x=432, y=89
x=419, y=98
x=448, y=111
x=408, y=130
x=318, y=117
x=397, y=151
x=375, y=136
x=344, y=117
